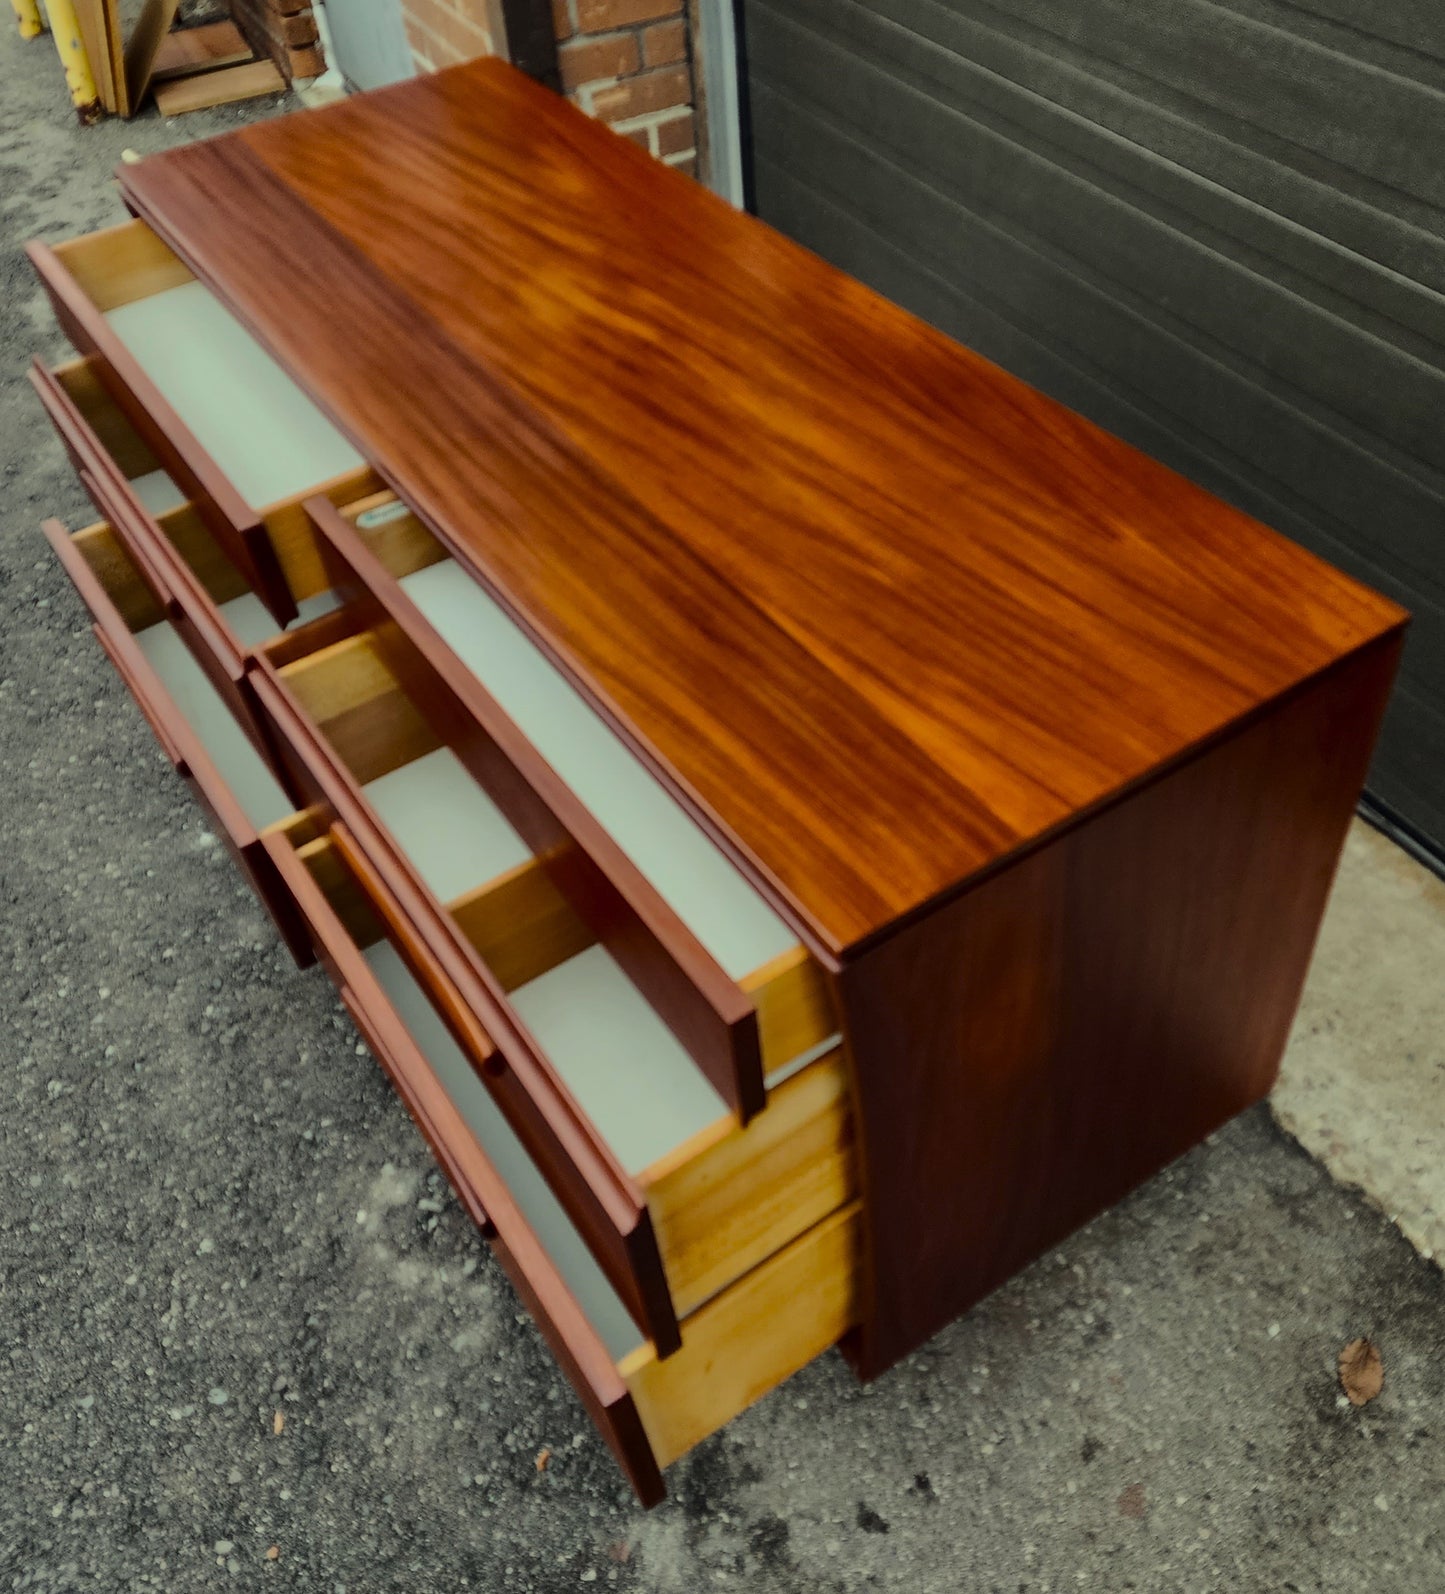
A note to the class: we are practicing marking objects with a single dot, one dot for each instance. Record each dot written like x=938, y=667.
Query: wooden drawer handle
x=149, y=712
x=460, y=1018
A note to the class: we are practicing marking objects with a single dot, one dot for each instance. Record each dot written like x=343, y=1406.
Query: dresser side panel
x=1034, y=1049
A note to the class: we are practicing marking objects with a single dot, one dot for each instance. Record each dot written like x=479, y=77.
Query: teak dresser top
x=881, y=613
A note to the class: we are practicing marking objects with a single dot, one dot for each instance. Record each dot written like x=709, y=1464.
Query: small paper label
x=382, y=515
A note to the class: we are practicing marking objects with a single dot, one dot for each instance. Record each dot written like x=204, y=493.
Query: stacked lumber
x=186, y=70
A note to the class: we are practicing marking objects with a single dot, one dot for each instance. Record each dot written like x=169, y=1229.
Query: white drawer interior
x=623, y=1065
x=157, y=492
x=237, y=762
x=628, y=1071
x=251, y=622
x=454, y=834
x=681, y=861
x=541, y=1209
x=268, y=438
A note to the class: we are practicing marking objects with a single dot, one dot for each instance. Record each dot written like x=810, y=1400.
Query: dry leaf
x=1133, y=1502
x=620, y=1551
x=544, y=1455
x=1362, y=1373
x=273, y=1552
x=278, y=1422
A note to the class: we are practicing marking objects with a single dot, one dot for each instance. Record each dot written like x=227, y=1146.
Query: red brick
x=424, y=13
x=417, y=36
x=674, y=137
x=477, y=12
x=561, y=20
x=664, y=43
x=462, y=37
x=599, y=16
x=424, y=40
x=585, y=60
x=688, y=168
x=649, y=91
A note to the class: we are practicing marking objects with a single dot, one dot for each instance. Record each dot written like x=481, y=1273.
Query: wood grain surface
x=574, y=1342
x=1056, y=1035
x=879, y=612
x=602, y=1200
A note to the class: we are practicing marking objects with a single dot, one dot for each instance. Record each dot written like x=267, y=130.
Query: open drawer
x=214, y=605
x=132, y=614
x=606, y=1098
x=218, y=417
x=796, y=1301
x=709, y=951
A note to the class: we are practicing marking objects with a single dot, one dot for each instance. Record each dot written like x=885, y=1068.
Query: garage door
x=1218, y=229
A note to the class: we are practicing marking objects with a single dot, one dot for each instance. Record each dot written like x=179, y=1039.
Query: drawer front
x=177, y=550
x=606, y=1205
x=734, y=1029
x=181, y=746
x=575, y=1343
x=735, y=1348
x=97, y=472
x=771, y=1323
x=731, y=1197
x=236, y=526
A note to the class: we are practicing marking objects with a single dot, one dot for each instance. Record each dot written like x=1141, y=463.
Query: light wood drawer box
x=133, y=616
x=211, y=600
x=732, y=1220
x=177, y=403
x=711, y=953
x=798, y=1299
x=602, y=1092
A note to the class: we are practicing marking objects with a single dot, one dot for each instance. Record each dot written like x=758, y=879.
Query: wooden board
x=520, y=924
x=120, y=264
x=795, y=1005
x=202, y=49
x=141, y=48
x=92, y=18
x=749, y=1339
x=883, y=615
x=115, y=49
x=116, y=435
x=232, y=83
x=728, y=1198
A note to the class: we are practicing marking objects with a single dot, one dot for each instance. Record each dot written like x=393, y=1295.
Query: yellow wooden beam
x=80, y=80
x=27, y=14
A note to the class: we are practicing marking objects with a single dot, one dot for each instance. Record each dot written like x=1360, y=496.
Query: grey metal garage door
x=1217, y=227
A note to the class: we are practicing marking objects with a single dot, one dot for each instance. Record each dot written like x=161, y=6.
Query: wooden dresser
x=804, y=820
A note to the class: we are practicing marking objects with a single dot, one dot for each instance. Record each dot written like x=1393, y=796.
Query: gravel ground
x=251, y=1342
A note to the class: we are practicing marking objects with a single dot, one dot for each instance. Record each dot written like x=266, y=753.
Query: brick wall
x=444, y=32
x=626, y=62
